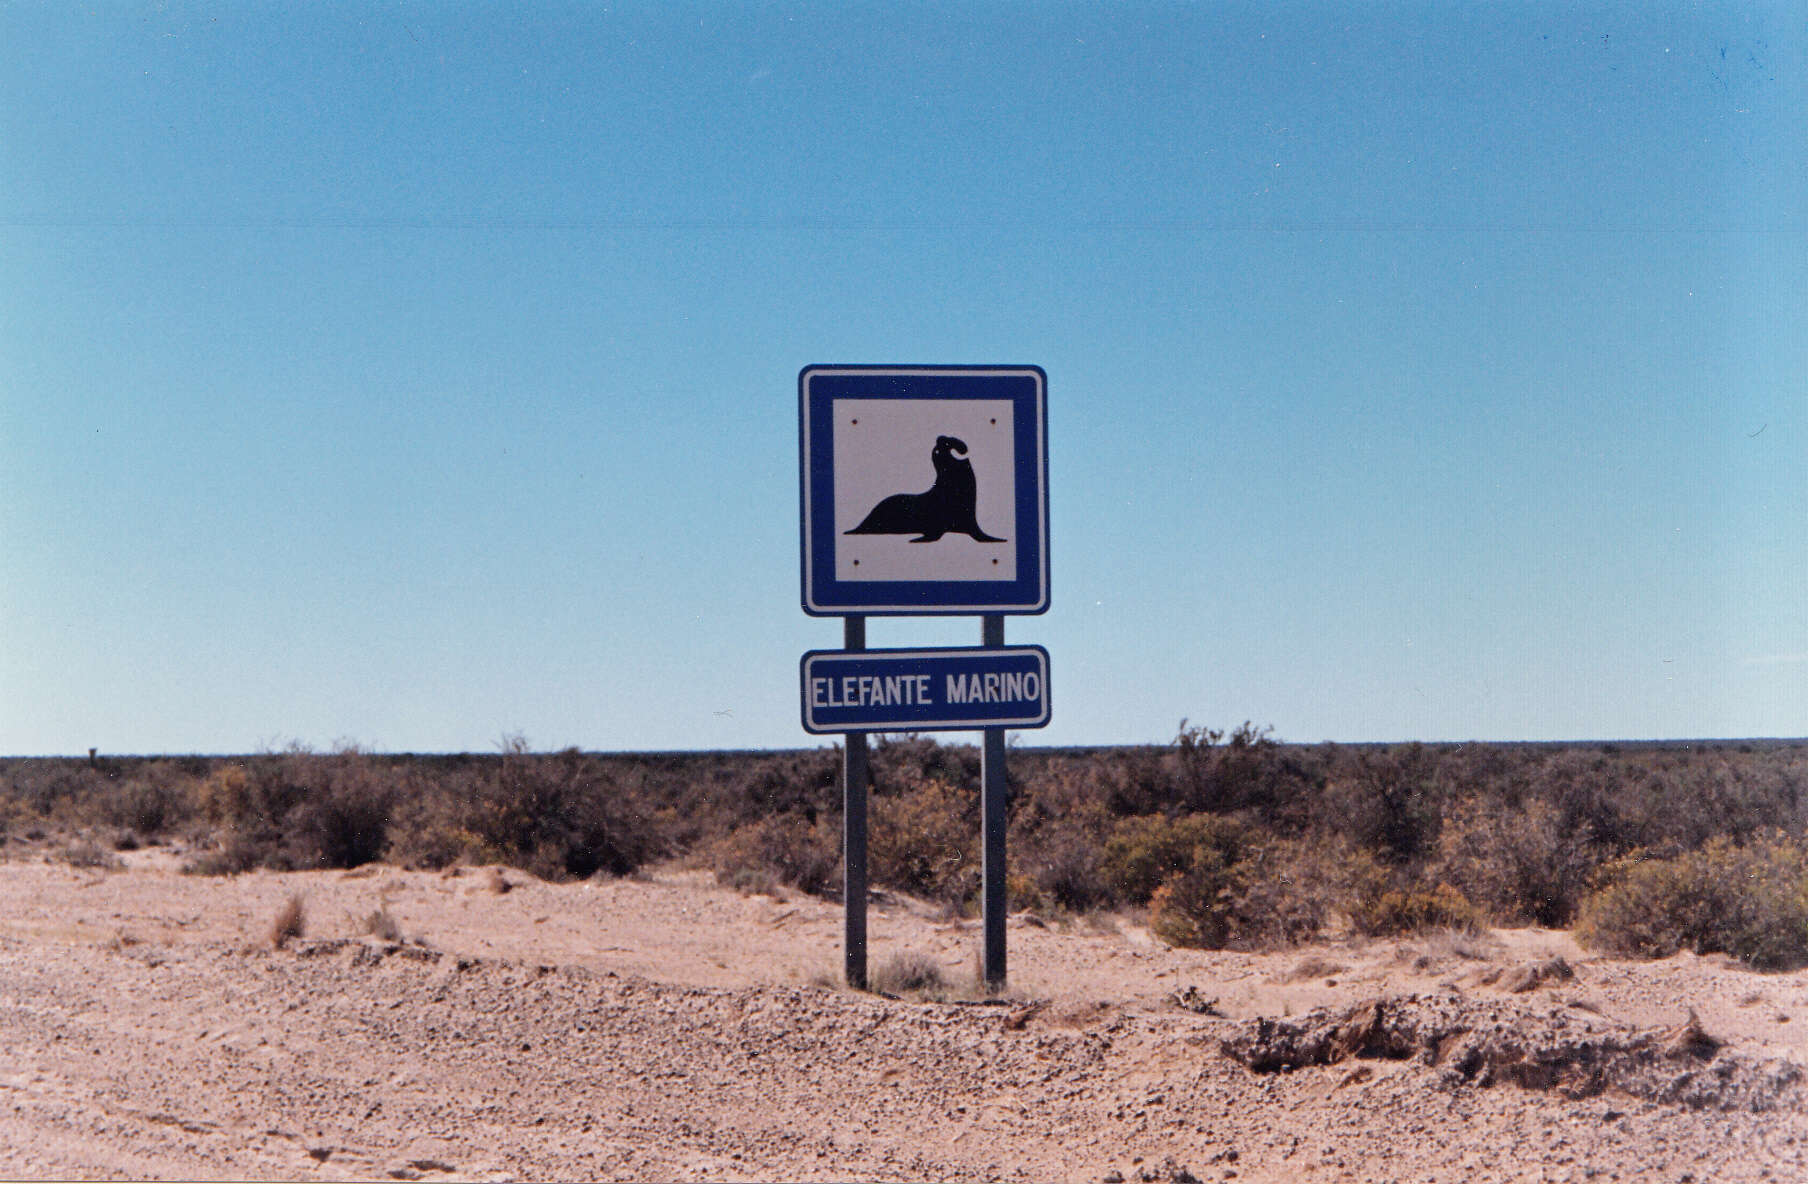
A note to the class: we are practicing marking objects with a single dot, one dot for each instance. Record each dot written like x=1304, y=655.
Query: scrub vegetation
x=1220, y=839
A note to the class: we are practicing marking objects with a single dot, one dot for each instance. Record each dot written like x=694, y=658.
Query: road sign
x=924, y=489
x=925, y=690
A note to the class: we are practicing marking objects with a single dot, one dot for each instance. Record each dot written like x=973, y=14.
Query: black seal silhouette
x=949, y=506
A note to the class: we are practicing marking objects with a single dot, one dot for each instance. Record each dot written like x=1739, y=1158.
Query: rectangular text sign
x=925, y=690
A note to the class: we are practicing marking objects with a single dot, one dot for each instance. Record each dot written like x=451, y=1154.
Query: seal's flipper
x=901, y=513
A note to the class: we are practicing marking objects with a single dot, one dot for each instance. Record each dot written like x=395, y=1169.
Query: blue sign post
x=924, y=491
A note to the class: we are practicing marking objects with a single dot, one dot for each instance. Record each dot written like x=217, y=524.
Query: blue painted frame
x=1026, y=592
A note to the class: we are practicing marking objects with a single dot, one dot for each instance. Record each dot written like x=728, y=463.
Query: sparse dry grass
x=289, y=923
x=749, y=881
x=909, y=974
x=381, y=923
x=1313, y=966
x=90, y=856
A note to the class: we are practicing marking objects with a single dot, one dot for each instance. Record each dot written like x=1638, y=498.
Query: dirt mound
x=667, y=1028
x=1486, y=1042
x=1529, y=976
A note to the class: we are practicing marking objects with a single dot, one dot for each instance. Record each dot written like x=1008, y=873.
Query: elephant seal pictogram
x=949, y=507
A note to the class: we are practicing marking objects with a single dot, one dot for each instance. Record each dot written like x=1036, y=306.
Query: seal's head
x=947, y=444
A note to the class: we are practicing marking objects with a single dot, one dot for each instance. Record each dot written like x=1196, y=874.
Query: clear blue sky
x=415, y=373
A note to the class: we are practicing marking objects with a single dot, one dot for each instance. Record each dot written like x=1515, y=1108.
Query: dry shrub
x=925, y=841
x=1216, y=773
x=1312, y=966
x=1529, y=976
x=1193, y=908
x=558, y=815
x=1523, y=864
x=160, y=798
x=235, y=852
x=290, y=921
x=1389, y=802
x=909, y=973
x=381, y=923
x=899, y=763
x=423, y=835
x=298, y=810
x=225, y=795
x=1216, y=904
x=785, y=848
x=1199, y=861
x=1431, y=949
x=91, y=856
x=1063, y=867
x=1288, y=890
x=1057, y=836
x=1226, y=886
x=1416, y=910
x=749, y=881
x=343, y=818
x=1022, y=893
x=756, y=787
x=1749, y=901
x=496, y=882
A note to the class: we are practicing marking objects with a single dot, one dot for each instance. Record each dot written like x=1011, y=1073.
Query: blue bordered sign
x=924, y=489
x=925, y=690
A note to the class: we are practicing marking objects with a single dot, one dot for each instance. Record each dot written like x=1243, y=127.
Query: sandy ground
x=665, y=1028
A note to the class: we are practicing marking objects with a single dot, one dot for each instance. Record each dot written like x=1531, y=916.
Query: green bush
x=1749, y=901
x=1143, y=852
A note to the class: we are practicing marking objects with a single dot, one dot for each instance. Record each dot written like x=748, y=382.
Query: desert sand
x=663, y=1027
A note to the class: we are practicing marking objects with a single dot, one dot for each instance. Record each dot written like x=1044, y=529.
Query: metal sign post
x=853, y=829
x=973, y=543
x=992, y=803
